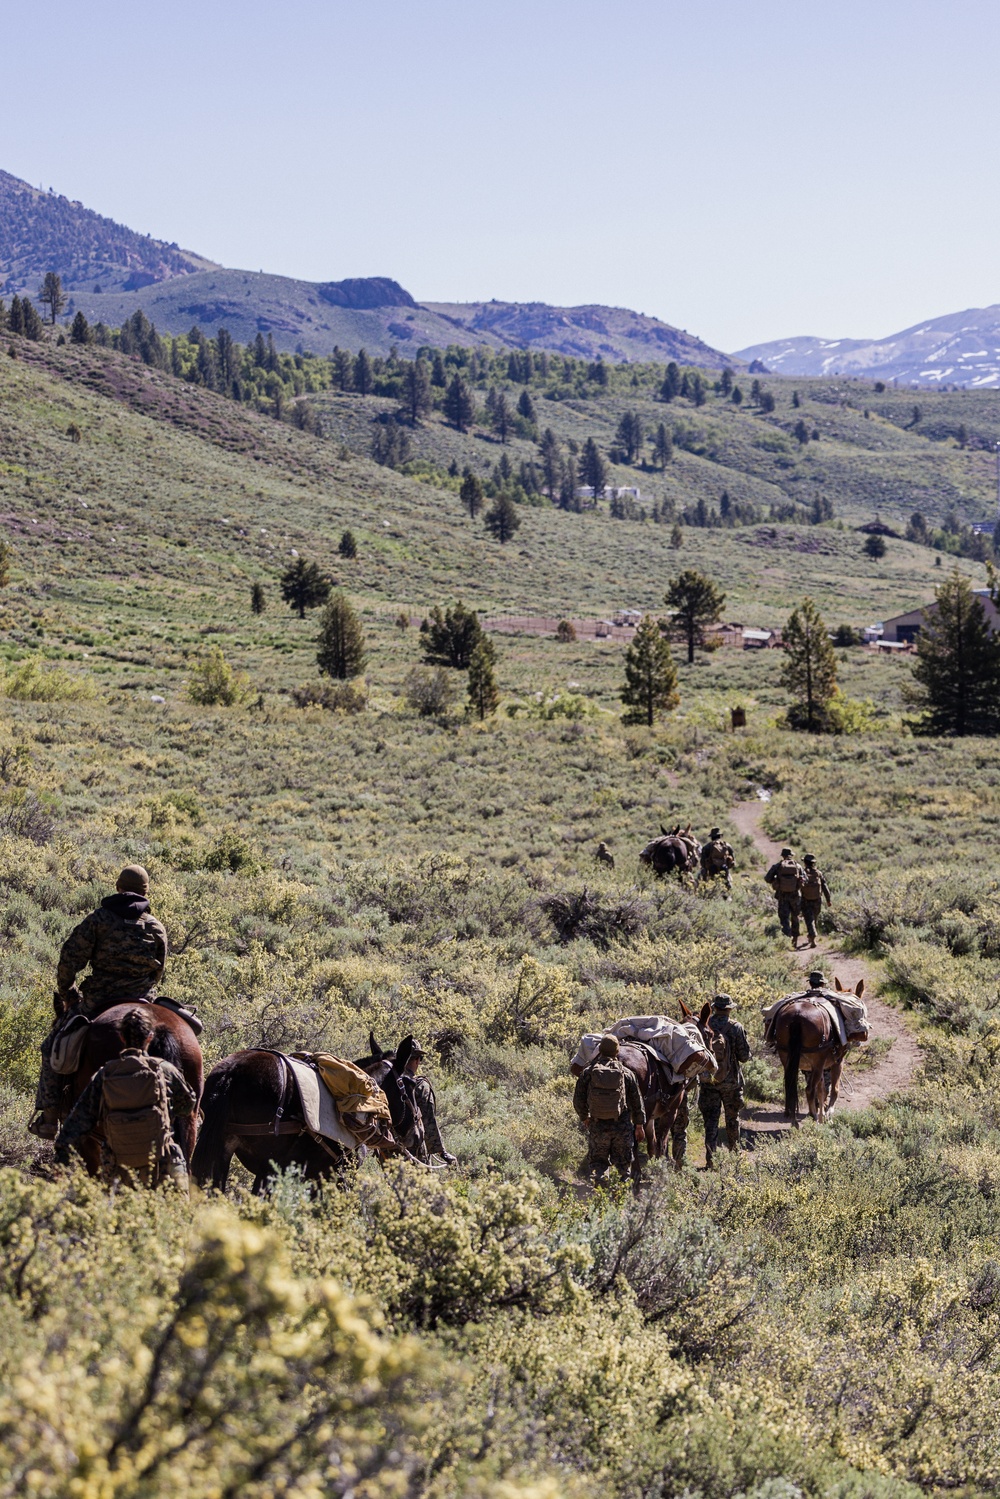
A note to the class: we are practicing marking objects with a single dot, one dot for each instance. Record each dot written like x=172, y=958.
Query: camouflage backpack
x=788, y=878
x=811, y=888
x=606, y=1096
x=718, y=1045
x=136, y=1113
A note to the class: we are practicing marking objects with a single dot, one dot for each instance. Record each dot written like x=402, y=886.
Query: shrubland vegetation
x=818, y=1318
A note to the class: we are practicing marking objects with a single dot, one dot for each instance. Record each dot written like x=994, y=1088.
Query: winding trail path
x=858, y=1088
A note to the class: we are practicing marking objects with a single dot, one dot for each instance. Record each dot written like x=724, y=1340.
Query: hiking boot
x=812, y=942
x=45, y=1124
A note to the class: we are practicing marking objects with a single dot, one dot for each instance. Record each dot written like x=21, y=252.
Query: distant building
x=903, y=629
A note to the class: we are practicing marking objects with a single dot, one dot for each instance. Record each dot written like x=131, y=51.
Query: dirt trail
x=858, y=1088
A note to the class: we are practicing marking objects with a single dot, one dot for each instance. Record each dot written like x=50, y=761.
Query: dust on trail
x=857, y=1089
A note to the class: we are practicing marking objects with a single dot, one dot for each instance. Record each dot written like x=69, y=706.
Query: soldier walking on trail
x=423, y=1095
x=814, y=891
x=717, y=859
x=126, y=949
x=608, y=1102
x=730, y=1047
x=135, y=1102
x=785, y=879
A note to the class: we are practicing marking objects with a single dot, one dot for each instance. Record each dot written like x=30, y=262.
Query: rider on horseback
x=126, y=948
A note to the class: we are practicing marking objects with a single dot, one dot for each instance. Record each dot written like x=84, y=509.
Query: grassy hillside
x=816, y=1318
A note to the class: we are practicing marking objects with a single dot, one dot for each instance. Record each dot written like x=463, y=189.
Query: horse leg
x=836, y=1068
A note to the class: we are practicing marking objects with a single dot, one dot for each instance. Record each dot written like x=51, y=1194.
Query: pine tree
x=696, y=603
x=472, y=494
x=484, y=697
x=15, y=318
x=341, y=645
x=458, y=404
x=810, y=668
x=51, y=295
x=677, y=536
x=569, y=481
x=502, y=416
x=348, y=546
x=671, y=382
x=650, y=675
x=362, y=373
x=551, y=463
x=525, y=406
x=801, y=431
x=593, y=469
x=630, y=435
x=438, y=375
x=32, y=322
x=663, y=446
x=451, y=636
x=304, y=586
x=874, y=546
x=726, y=382
x=79, y=333
x=258, y=599
x=502, y=519
x=417, y=390
x=957, y=670
x=341, y=369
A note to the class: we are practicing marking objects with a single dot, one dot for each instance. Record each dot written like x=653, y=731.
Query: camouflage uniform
x=85, y=1117
x=126, y=948
x=812, y=904
x=612, y=1141
x=717, y=858
x=789, y=901
x=726, y=1094
x=679, y=1131
x=423, y=1097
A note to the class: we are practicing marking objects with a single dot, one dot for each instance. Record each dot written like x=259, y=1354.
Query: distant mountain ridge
x=42, y=232
x=110, y=272
x=961, y=348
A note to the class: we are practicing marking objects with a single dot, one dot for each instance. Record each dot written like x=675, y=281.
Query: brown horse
x=806, y=1040
x=172, y=1039
x=672, y=852
x=253, y=1111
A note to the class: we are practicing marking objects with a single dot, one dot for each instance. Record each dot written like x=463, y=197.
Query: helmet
x=134, y=880
x=608, y=1046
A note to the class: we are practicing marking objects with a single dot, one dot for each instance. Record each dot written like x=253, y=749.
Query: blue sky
x=745, y=170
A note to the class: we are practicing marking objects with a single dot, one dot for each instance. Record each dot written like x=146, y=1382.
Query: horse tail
x=209, y=1153
x=166, y=1045
x=792, y=1067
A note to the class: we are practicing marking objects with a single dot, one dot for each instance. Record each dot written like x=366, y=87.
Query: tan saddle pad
x=64, y=1058
x=319, y=1110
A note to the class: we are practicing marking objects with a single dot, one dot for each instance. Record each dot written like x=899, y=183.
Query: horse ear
x=706, y=1011
x=374, y=1047
x=860, y=989
x=837, y=984
x=403, y=1053
x=664, y=831
x=686, y=1011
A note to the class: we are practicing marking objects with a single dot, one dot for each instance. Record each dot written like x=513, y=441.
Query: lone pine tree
x=258, y=599
x=957, y=671
x=695, y=603
x=650, y=675
x=304, y=586
x=341, y=645
x=472, y=494
x=484, y=696
x=502, y=519
x=52, y=295
x=451, y=636
x=809, y=672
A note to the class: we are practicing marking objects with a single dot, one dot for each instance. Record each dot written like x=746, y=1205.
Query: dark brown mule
x=661, y=1098
x=806, y=1040
x=173, y=1040
x=252, y=1110
x=669, y=855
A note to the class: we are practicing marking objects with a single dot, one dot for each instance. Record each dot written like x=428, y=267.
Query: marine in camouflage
x=725, y=1095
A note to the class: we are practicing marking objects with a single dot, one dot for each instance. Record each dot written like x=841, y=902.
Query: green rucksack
x=606, y=1095
x=136, y=1112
